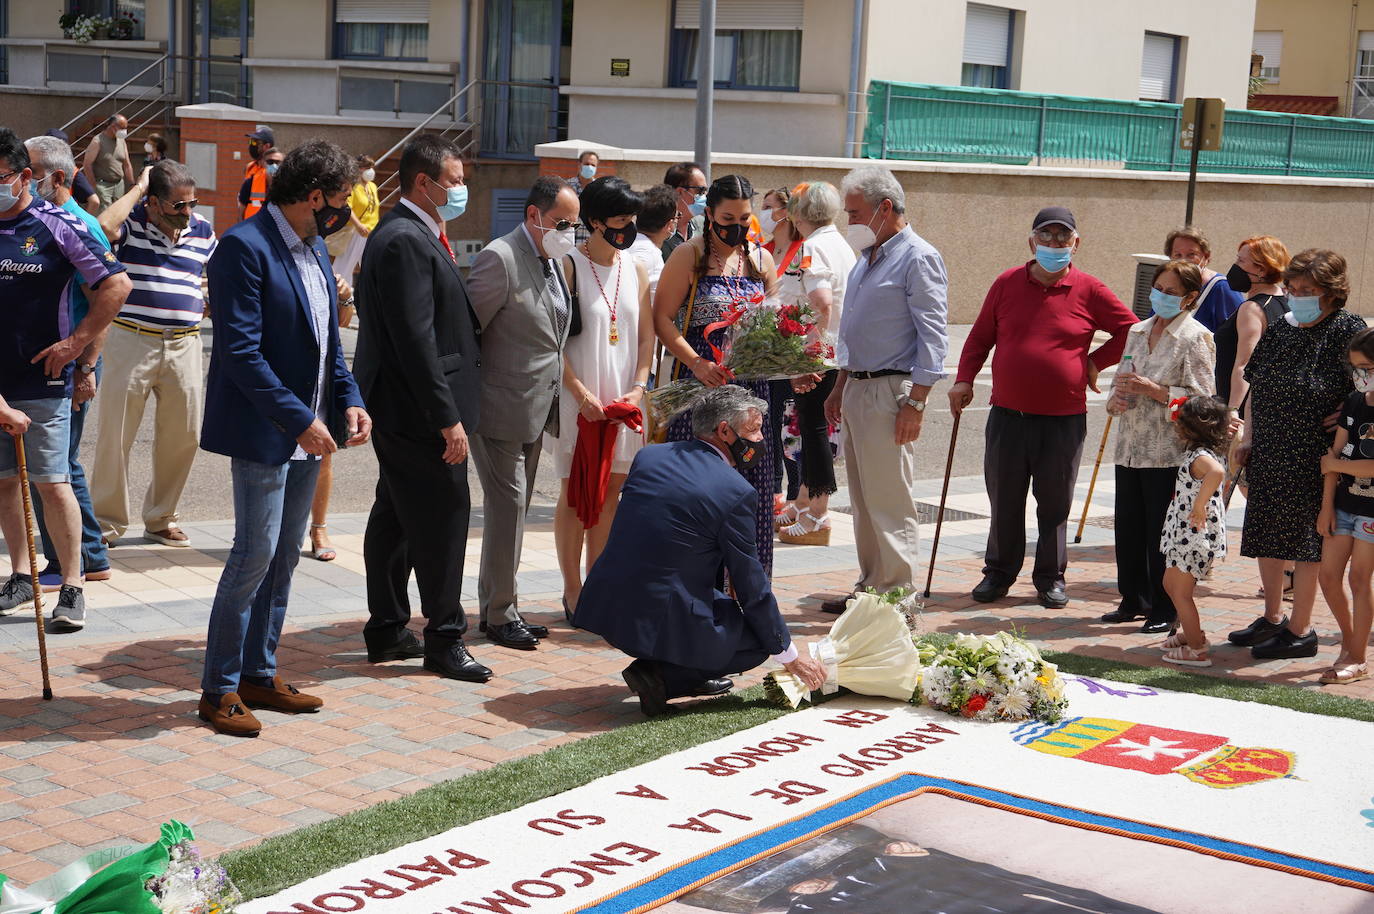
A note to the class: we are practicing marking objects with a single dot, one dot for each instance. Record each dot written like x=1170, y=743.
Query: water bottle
x=1125, y=371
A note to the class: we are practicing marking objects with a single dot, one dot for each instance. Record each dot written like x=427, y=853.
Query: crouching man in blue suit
x=685, y=514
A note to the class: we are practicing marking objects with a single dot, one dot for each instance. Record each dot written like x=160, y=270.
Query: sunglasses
x=562, y=225
x=698, y=189
x=183, y=206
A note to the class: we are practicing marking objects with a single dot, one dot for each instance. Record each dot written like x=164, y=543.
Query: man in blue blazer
x=654, y=593
x=278, y=397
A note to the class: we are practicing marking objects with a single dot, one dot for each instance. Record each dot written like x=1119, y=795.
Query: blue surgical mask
x=1305, y=308
x=272, y=167
x=1052, y=260
x=455, y=203
x=587, y=172
x=8, y=198
x=697, y=206
x=1165, y=305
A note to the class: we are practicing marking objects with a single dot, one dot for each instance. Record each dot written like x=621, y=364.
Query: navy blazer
x=265, y=356
x=684, y=513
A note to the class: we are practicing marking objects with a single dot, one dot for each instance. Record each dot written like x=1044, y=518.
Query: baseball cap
x=1054, y=215
x=262, y=134
x=57, y=132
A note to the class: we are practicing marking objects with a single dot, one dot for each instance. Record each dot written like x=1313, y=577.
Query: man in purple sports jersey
x=45, y=253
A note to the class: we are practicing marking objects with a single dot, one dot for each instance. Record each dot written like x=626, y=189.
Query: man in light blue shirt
x=53, y=170
x=891, y=349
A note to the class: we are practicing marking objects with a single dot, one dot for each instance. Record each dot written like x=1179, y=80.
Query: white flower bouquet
x=990, y=677
x=869, y=650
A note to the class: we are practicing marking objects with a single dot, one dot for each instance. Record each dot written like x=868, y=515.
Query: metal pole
x=851, y=124
x=1192, y=171
x=706, y=83
x=1040, y=134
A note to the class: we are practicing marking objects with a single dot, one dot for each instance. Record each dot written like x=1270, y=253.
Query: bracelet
x=641, y=385
x=346, y=303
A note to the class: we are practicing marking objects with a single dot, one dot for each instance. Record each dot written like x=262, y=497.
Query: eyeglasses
x=183, y=205
x=1058, y=239
x=697, y=189
x=10, y=175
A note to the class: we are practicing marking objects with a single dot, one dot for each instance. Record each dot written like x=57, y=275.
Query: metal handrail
x=468, y=131
x=425, y=123
x=114, y=92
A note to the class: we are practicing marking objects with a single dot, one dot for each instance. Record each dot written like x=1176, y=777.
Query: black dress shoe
x=534, y=628
x=644, y=680
x=407, y=648
x=1121, y=615
x=1156, y=627
x=456, y=663
x=1257, y=632
x=567, y=612
x=989, y=589
x=1053, y=598
x=709, y=687
x=514, y=635
x=1286, y=644
x=836, y=607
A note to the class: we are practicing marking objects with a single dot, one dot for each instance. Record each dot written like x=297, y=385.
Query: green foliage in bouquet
x=989, y=677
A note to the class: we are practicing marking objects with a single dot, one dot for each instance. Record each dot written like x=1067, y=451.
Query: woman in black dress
x=1297, y=384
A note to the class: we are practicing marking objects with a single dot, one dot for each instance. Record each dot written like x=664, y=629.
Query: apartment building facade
x=1317, y=57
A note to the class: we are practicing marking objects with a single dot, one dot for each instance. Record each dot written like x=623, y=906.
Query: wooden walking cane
x=1092, y=483
x=33, y=564
x=944, y=493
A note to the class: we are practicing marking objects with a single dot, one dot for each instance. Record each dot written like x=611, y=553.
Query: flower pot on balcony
x=102, y=33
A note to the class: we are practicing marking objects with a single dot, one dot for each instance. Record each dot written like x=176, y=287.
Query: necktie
x=560, y=305
x=443, y=239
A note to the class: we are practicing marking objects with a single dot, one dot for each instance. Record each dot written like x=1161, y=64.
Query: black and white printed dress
x=1189, y=551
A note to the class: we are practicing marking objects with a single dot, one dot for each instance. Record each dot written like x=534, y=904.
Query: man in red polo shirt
x=1041, y=317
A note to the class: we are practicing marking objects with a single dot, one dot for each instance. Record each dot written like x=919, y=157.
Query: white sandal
x=802, y=533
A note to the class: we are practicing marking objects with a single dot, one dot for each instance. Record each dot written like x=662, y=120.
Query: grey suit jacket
x=522, y=352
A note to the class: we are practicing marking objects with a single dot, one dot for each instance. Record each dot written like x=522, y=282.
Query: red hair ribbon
x=1174, y=406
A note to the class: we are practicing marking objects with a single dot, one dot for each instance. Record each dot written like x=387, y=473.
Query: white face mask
x=558, y=245
x=121, y=134
x=370, y=174
x=861, y=237
x=1363, y=380
x=148, y=148
x=768, y=221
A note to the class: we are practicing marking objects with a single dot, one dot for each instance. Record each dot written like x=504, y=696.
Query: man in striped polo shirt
x=154, y=347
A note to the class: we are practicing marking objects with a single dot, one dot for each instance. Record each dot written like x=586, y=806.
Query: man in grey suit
x=522, y=301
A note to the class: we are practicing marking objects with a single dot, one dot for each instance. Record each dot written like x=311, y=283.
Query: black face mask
x=745, y=452
x=620, y=238
x=731, y=235
x=331, y=218
x=1238, y=279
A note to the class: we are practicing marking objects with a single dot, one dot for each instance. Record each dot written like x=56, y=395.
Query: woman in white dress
x=607, y=362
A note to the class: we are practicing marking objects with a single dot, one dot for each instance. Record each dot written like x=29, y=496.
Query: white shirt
x=425, y=217
x=650, y=255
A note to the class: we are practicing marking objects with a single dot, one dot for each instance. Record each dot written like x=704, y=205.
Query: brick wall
x=227, y=137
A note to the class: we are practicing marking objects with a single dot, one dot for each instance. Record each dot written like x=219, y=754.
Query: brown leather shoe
x=281, y=697
x=231, y=717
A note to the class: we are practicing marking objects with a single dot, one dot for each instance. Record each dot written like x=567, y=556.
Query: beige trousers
x=881, y=476
x=135, y=366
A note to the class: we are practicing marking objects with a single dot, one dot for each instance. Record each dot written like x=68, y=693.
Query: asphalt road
x=209, y=496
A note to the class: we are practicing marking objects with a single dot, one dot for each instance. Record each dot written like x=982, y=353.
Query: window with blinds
x=757, y=44
x=1362, y=97
x=987, y=46
x=381, y=29
x=1159, y=68
x=1269, y=45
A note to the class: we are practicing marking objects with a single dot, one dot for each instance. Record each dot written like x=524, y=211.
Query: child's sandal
x=1183, y=655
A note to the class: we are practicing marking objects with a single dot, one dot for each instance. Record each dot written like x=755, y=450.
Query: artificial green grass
x=287, y=860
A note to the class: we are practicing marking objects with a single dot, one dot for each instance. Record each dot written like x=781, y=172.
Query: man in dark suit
x=654, y=593
x=278, y=397
x=417, y=365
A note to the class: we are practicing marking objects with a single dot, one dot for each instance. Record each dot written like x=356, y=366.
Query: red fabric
x=1042, y=335
x=590, y=475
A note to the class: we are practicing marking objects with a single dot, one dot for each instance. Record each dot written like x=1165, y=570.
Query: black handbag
x=575, y=306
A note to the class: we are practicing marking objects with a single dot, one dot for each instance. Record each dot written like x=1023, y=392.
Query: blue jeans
x=95, y=555
x=271, y=509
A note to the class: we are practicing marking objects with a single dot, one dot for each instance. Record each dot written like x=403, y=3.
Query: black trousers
x=1142, y=501
x=419, y=521
x=1038, y=454
x=817, y=457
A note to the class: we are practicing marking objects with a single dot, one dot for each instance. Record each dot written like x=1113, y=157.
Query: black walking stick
x=33, y=564
x=944, y=493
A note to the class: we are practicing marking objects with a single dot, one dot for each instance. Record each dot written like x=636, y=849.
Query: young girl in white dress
x=1195, y=527
x=607, y=362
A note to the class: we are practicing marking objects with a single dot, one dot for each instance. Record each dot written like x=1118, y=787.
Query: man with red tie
x=417, y=366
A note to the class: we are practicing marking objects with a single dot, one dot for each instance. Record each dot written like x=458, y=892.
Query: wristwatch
x=86, y=369
x=918, y=405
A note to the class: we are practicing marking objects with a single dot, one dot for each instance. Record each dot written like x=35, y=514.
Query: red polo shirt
x=1042, y=334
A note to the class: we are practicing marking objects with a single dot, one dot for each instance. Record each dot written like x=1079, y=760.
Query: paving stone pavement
x=120, y=748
